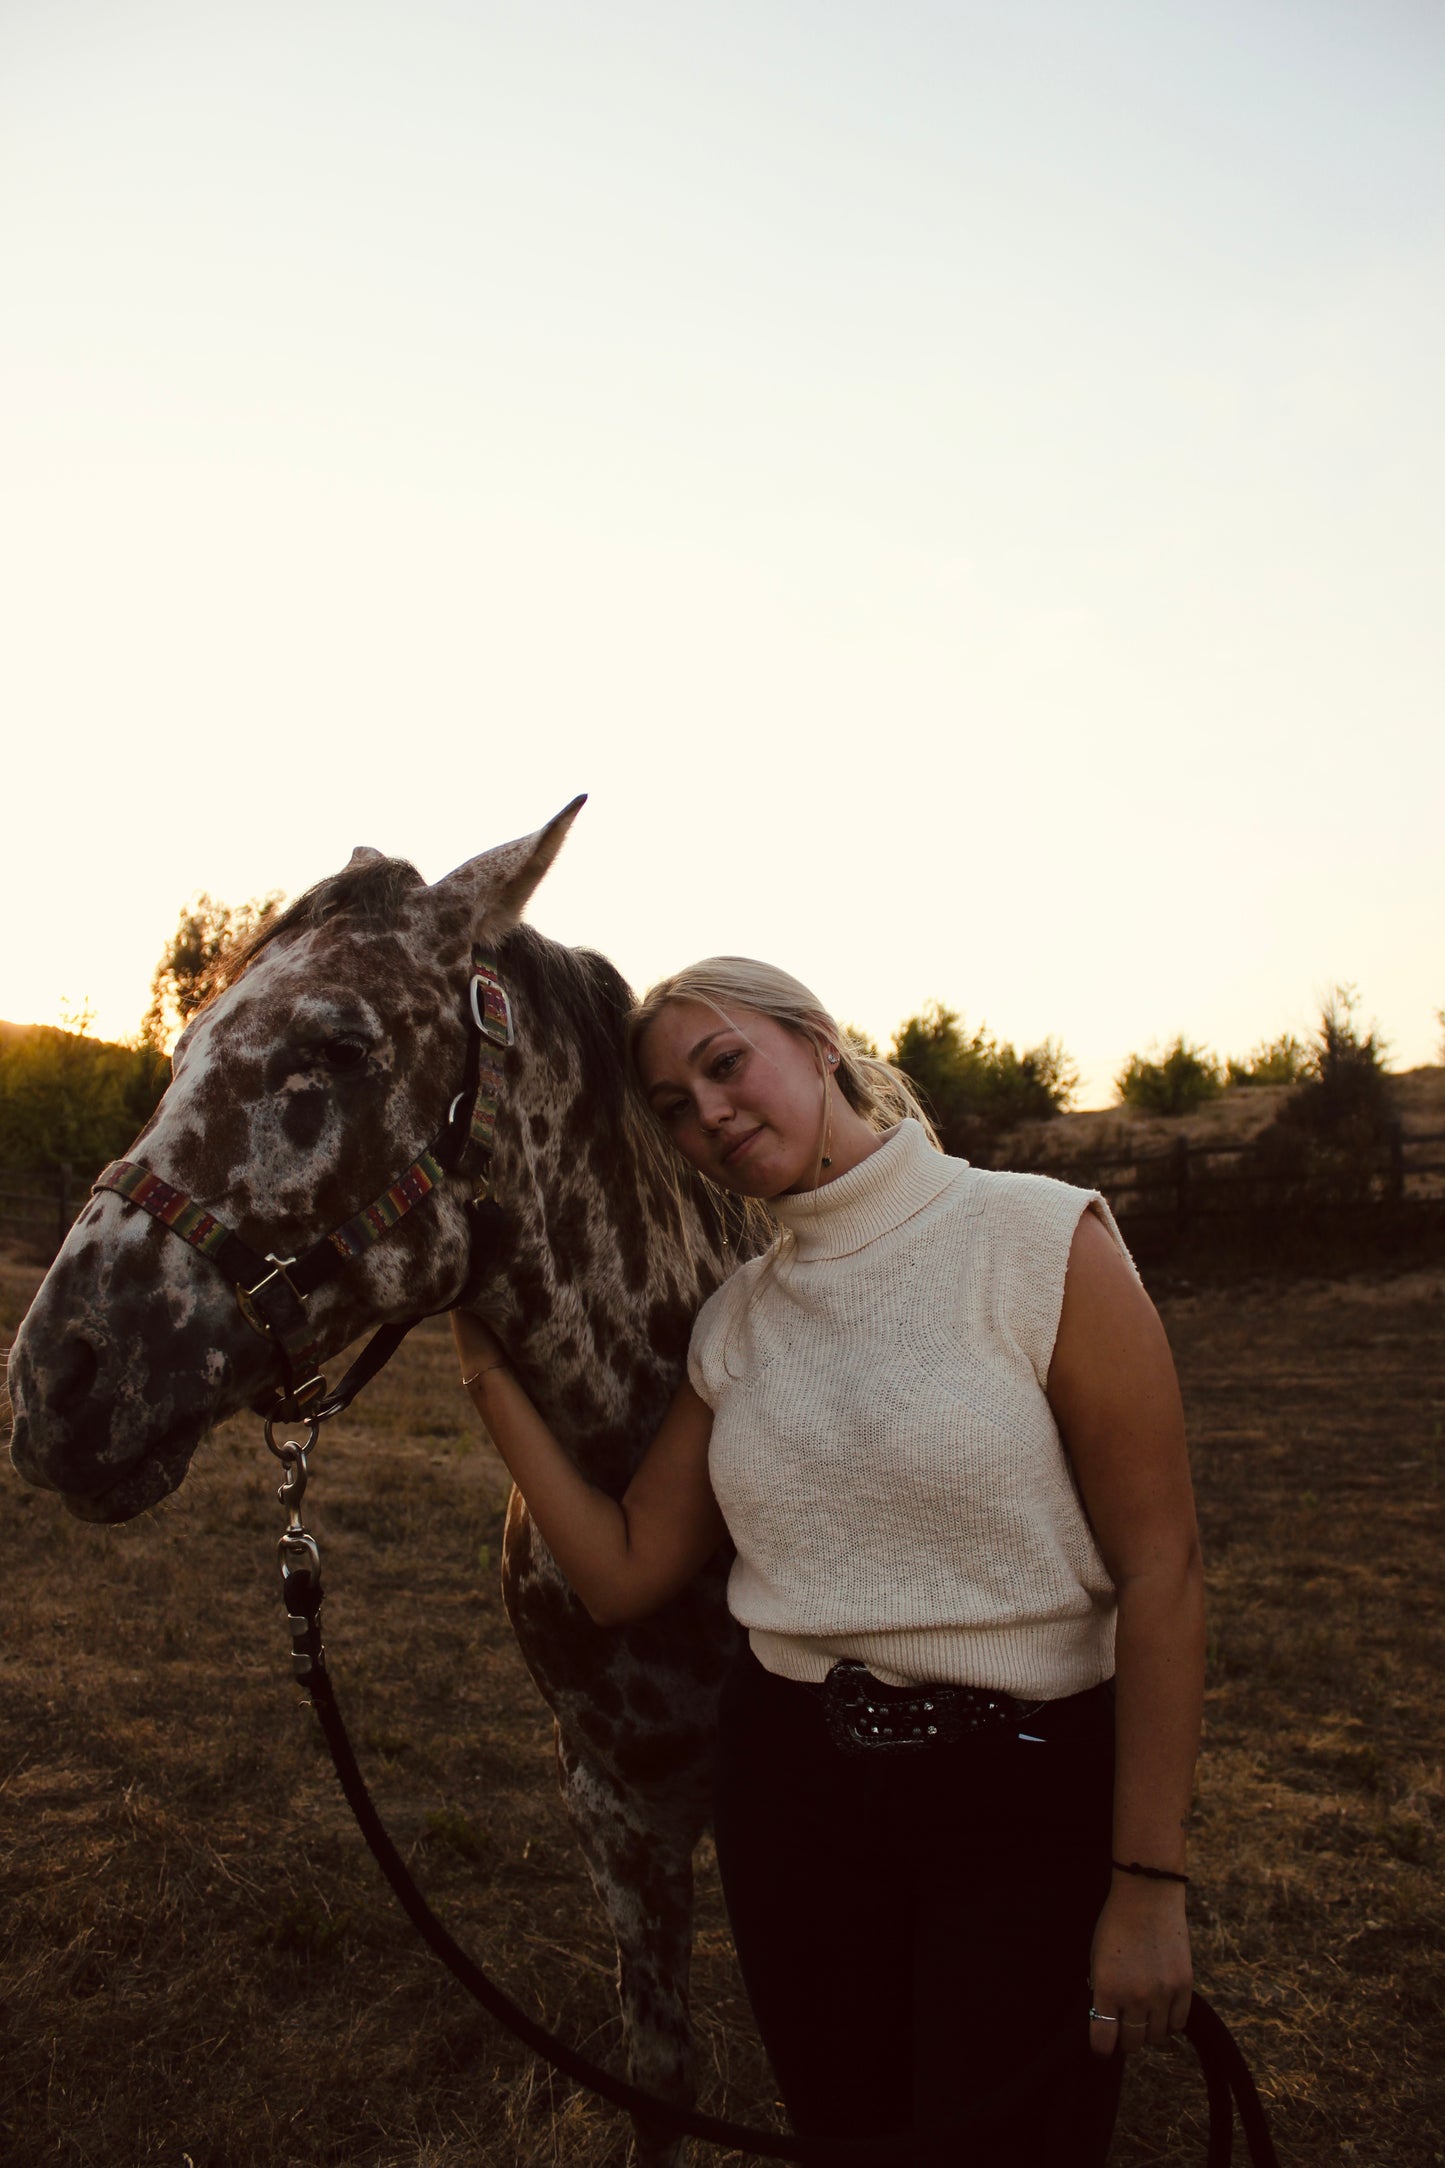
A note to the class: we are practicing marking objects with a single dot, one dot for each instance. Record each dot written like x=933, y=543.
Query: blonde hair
x=875, y=1089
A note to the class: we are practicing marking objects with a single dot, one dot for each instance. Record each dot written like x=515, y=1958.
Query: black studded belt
x=866, y=1716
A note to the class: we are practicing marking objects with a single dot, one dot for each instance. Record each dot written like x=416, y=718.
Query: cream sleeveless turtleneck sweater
x=882, y=1449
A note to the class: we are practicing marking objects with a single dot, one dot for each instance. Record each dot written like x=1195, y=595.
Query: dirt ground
x=201, y=1969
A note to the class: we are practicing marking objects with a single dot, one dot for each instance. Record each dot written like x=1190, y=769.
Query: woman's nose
x=713, y=1106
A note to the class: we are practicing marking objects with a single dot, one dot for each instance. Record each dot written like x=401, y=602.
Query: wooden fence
x=37, y=1205
x=1259, y=1198
x=1190, y=1198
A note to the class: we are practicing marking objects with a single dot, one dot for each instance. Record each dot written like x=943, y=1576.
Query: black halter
x=271, y=1291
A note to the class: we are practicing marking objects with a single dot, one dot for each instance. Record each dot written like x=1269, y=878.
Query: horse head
x=300, y=1094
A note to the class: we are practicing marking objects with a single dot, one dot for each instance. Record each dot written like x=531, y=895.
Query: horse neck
x=609, y=1257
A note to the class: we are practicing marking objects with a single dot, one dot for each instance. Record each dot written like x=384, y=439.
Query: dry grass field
x=201, y=1969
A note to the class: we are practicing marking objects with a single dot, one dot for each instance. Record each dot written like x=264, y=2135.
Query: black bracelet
x=1151, y=1874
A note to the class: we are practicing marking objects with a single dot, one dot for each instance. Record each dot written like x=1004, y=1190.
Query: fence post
x=1396, y=1134
x=1181, y=1186
x=62, y=1203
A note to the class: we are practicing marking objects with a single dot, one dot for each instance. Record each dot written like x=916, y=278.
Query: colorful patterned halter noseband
x=271, y=1291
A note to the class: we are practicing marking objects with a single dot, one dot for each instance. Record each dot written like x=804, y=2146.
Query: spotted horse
x=298, y=1095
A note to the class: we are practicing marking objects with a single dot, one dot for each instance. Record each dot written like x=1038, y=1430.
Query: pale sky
x=961, y=487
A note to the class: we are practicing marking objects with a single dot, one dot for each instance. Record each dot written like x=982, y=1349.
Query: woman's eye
x=726, y=1063
x=343, y=1054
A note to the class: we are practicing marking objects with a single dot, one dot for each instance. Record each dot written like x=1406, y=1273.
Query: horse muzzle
x=98, y=1418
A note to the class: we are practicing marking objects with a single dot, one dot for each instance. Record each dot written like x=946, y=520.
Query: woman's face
x=740, y=1096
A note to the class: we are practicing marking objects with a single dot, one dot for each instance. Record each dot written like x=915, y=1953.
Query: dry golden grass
x=200, y=1964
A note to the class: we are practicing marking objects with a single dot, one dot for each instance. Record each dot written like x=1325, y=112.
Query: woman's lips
x=745, y=1144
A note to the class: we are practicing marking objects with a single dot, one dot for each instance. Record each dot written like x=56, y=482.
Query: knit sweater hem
x=1038, y=1660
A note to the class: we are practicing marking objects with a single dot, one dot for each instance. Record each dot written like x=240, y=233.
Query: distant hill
x=9, y=1033
x=1236, y=1117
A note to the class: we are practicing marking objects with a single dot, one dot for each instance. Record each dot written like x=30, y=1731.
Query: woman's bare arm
x=625, y=1557
x=1115, y=1397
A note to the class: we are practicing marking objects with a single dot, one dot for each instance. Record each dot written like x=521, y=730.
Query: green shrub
x=1286, y=1060
x=1325, y=1151
x=974, y=1084
x=69, y=1100
x=1346, y=1097
x=1183, y=1076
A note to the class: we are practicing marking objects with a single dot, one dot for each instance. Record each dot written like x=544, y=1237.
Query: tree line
x=976, y=1086
x=67, y=1099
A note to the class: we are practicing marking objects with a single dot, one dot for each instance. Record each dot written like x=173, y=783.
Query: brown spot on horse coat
x=304, y=1119
x=570, y=1243
x=669, y=1328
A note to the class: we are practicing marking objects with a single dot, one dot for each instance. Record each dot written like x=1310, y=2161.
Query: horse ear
x=497, y=884
x=364, y=855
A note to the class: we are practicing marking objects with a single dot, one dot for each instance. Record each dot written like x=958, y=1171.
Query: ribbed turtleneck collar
x=871, y=1199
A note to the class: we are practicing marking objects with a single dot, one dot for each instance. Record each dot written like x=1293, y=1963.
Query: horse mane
x=582, y=989
x=371, y=891
x=591, y=1000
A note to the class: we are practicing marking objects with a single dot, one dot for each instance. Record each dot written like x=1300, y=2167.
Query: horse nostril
x=74, y=1375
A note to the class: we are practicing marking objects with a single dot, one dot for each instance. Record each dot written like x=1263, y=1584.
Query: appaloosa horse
x=299, y=1095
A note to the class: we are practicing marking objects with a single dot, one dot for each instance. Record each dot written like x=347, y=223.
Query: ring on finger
x=1099, y=2018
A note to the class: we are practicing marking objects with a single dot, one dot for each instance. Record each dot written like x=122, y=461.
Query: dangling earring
x=828, y=1113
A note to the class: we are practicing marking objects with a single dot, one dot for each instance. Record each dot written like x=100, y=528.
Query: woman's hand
x=478, y=1347
x=1140, y=1968
x=623, y=1557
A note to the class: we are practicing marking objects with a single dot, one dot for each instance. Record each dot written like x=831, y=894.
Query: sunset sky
x=961, y=487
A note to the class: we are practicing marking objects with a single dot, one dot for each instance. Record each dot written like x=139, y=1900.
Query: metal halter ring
x=281, y=1451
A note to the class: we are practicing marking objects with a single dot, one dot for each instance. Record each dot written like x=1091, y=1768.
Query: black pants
x=914, y=1928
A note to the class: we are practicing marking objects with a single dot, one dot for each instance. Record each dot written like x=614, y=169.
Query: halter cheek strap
x=271, y=1291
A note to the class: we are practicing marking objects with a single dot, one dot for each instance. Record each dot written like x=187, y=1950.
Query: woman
x=939, y=1420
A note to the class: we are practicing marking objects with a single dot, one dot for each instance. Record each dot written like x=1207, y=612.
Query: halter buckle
x=245, y=1302
x=280, y=1273
x=487, y=988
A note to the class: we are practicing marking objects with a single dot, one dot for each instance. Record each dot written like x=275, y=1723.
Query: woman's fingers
x=1125, y=2031
x=477, y=1345
x=1103, y=2031
x=1179, y=2009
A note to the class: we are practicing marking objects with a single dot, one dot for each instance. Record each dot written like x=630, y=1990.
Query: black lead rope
x=1226, y=2075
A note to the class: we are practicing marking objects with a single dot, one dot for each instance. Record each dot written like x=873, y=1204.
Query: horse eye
x=343, y=1054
